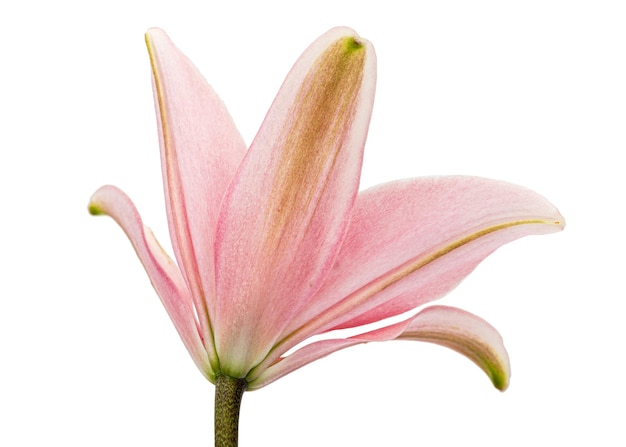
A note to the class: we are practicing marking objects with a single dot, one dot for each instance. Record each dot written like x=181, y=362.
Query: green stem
x=228, y=394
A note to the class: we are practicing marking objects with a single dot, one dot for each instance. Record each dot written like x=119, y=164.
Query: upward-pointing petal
x=200, y=151
x=286, y=212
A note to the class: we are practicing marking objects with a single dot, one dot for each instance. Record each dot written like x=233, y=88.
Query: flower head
x=274, y=244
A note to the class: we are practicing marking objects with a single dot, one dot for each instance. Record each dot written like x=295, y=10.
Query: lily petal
x=413, y=241
x=164, y=275
x=465, y=333
x=446, y=326
x=200, y=152
x=292, y=197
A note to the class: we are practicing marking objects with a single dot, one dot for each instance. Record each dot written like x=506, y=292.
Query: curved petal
x=292, y=197
x=164, y=274
x=413, y=241
x=200, y=151
x=446, y=326
x=466, y=334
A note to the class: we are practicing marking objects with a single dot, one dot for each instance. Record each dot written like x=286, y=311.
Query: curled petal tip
x=94, y=210
x=466, y=334
x=96, y=207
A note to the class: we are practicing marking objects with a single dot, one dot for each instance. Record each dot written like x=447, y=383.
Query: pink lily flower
x=274, y=244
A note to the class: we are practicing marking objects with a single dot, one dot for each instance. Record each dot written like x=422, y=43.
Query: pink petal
x=289, y=205
x=413, y=241
x=465, y=333
x=163, y=272
x=446, y=326
x=200, y=151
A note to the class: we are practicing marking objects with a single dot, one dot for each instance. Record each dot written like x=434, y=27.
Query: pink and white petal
x=413, y=241
x=287, y=210
x=200, y=151
x=162, y=271
x=446, y=326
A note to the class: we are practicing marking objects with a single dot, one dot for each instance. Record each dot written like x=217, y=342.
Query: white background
x=530, y=92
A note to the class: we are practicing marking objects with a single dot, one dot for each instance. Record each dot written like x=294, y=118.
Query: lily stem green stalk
x=228, y=394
